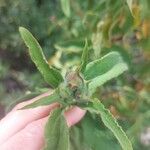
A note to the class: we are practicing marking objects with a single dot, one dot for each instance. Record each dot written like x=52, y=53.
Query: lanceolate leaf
x=47, y=100
x=65, y=5
x=110, y=122
x=99, y=135
x=102, y=65
x=84, y=58
x=104, y=69
x=129, y=2
x=51, y=75
x=56, y=132
x=24, y=98
x=100, y=80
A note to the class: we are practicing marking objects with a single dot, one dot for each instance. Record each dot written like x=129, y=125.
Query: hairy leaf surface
x=104, y=69
x=47, y=100
x=110, y=122
x=50, y=74
x=100, y=80
x=90, y=134
x=102, y=65
x=56, y=132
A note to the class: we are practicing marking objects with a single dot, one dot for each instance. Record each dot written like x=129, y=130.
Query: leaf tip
x=21, y=29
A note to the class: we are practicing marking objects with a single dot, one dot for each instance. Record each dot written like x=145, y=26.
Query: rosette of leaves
x=75, y=89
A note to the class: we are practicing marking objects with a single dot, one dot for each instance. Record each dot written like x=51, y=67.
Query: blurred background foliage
x=108, y=25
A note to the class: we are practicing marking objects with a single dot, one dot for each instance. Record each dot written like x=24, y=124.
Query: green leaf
x=47, y=100
x=56, y=132
x=91, y=134
x=100, y=80
x=23, y=98
x=102, y=65
x=65, y=5
x=129, y=2
x=70, y=46
x=84, y=58
x=51, y=75
x=110, y=122
x=104, y=69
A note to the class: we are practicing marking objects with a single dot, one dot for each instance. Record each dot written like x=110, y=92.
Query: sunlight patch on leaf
x=65, y=5
x=129, y=2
